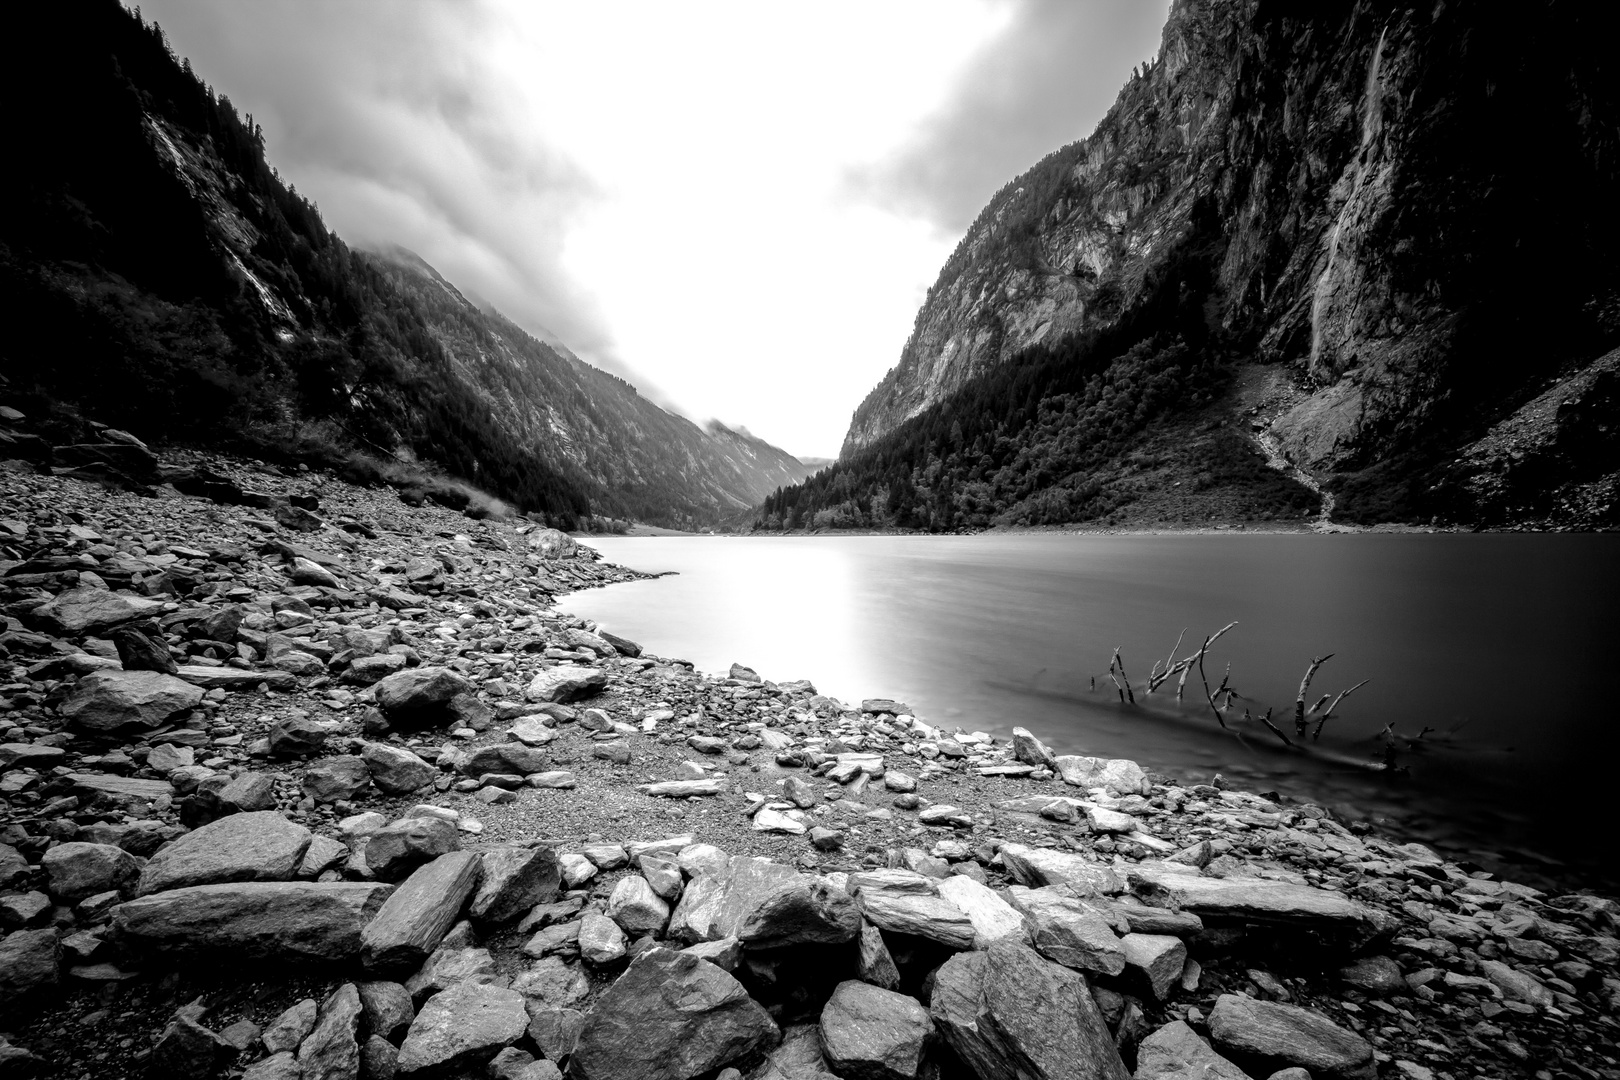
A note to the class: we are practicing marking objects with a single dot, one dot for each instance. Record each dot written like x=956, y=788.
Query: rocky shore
x=302, y=781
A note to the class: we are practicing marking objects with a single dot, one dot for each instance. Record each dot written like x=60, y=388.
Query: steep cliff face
x=157, y=274
x=1408, y=208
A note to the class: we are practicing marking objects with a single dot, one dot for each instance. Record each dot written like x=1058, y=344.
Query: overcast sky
x=737, y=206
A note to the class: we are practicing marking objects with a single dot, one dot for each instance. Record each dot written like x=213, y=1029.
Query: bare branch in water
x=1126, y=679
x=1205, y=678
x=1305, y=685
x=1325, y=717
x=1275, y=730
x=1155, y=677
x=1321, y=701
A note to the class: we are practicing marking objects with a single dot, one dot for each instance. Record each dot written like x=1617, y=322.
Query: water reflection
x=1501, y=644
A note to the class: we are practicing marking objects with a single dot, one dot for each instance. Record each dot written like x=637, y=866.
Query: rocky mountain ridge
x=158, y=276
x=1321, y=189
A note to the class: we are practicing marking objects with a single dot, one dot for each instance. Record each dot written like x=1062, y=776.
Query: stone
x=601, y=941
x=323, y=854
x=636, y=908
x=1269, y=1035
x=282, y=1065
x=531, y=731
x=296, y=735
x=607, y=856
x=1175, y=1052
x=670, y=1016
x=30, y=961
x=331, y=1051
x=259, y=920
x=379, y=1060
x=1118, y=775
x=188, y=1051
x=367, y=670
x=109, y=701
x=387, y=1008
x=940, y=814
x=576, y=869
x=774, y=821
x=764, y=905
x=291, y=1027
x=725, y=954
x=164, y=758
x=395, y=770
x=1376, y=975
x=1069, y=932
x=1152, y=920
x=259, y=846
x=1254, y=899
x=1515, y=984
x=1011, y=1015
x=663, y=875
x=555, y=1030
x=396, y=849
x=91, y=611
x=420, y=697
x=869, y=1033
x=336, y=779
x=449, y=965
x=565, y=684
x=76, y=870
x=797, y=1058
x=899, y=782
x=248, y=792
x=420, y=912
x=1030, y=750
x=1038, y=867
x=931, y=917
x=551, y=983
x=514, y=880
x=992, y=917
x=1109, y=821
x=681, y=789
x=874, y=964
x=1154, y=961
x=25, y=909
x=462, y=1028
x=561, y=938
x=510, y=1064
x=138, y=652
x=552, y=778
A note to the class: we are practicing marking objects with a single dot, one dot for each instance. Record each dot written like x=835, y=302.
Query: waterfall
x=1372, y=99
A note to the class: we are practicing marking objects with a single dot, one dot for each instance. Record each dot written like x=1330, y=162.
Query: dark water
x=1505, y=645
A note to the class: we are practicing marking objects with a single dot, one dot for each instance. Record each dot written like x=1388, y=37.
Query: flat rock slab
x=1268, y=1035
x=1175, y=1052
x=992, y=917
x=1068, y=932
x=229, y=678
x=419, y=913
x=931, y=917
x=869, y=1033
x=1037, y=867
x=1011, y=1015
x=460, y=1029
x=106, y=701
x=91, y=611
x=260, y=920
x=670, y=1016
x=764, y=905
x=1249, y=899
x=261, y=846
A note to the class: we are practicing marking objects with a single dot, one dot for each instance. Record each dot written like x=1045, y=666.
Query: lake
x=1503, y=645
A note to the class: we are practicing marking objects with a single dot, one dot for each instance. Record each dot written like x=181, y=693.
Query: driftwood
x=1305, y=685
x=1317, y=733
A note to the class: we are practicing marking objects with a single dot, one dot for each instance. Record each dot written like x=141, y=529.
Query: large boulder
x=399, y=847
x=107, y=701
x=30, y=961
x=460, y=1029
x=261, y=920
x=869, y=1033
x=565, y=684
x=1119, y=776
x=1175, y=1052
x=261, y=846
x=419, y=913
x=764, y=905
x=77, y=870
x=1269, y=1035
x=670, y=1016
x=421, y=697
x=93, y=611
x=1011, y=1015
x=514, y=880
x=395, y=769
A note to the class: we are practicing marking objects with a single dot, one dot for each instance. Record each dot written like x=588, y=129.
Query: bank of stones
x=493, y=839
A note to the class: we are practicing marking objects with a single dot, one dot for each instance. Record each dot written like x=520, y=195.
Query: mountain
x=1349, y=256
x=157, y=274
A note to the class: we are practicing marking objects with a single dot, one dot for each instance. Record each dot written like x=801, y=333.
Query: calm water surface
x=1504, y=645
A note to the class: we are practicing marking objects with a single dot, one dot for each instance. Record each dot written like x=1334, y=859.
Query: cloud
x=409, y=136
x=1043, y=82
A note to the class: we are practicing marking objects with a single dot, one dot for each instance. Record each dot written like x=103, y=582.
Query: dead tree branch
x=1156, y=678
x=1325, y=717
x=1123, y=678
x=1305, y=685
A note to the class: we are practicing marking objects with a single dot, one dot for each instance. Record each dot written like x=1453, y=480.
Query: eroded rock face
x=670, y=1016
x=1011, y=1015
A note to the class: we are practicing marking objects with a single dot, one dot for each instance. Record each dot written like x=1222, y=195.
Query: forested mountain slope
x=157, y=274
x=1360, y=233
